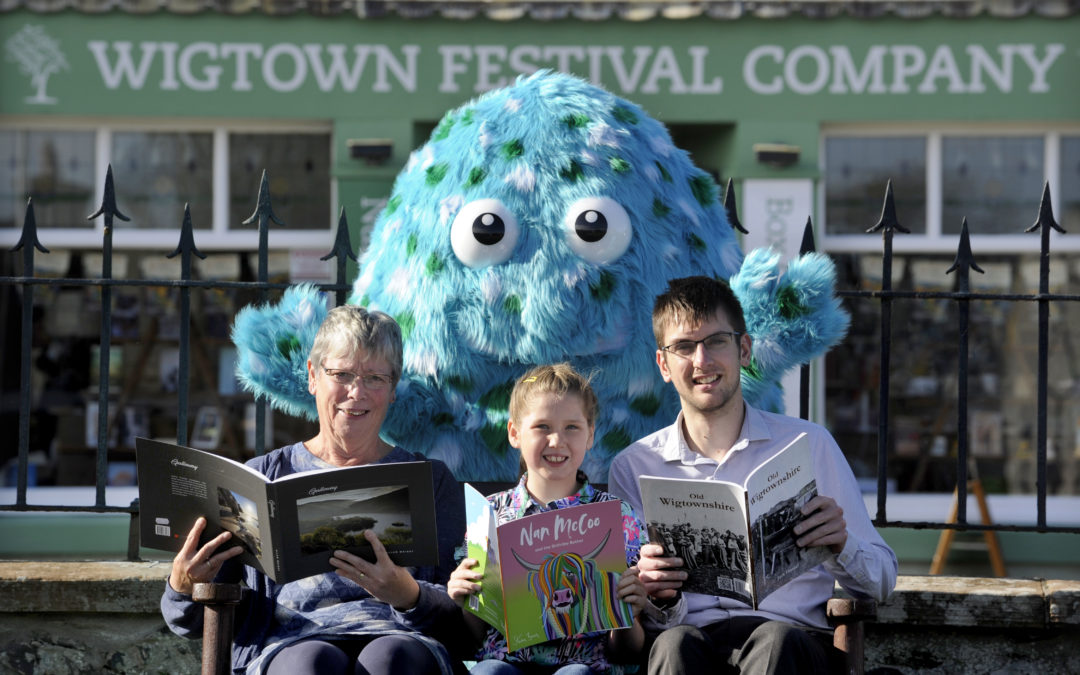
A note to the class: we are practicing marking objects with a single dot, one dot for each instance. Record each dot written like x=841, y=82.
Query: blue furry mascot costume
x=537, y=225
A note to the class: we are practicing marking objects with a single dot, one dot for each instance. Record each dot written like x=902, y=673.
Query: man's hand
x=823, y=525
x=661, y=576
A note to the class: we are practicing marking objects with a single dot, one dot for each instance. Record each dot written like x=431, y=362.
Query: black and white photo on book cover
x=736, y=541
x=288, y=527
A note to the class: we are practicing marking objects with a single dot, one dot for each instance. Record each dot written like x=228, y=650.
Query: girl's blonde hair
x=560, y=379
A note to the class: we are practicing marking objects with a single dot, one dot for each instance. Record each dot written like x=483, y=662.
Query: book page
x=179, y=484
x=323, y=511
x=777, y=491
x=560, y=572
x=483, y=546
x=704, y=523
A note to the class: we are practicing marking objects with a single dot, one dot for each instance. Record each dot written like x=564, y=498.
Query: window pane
x=856, y=173
x=298, y=169
x=1069, y=218
x=55, y=169
x=995, y=183
x=156, y=173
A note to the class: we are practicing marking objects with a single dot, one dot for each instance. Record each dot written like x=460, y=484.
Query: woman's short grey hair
x=348, y=330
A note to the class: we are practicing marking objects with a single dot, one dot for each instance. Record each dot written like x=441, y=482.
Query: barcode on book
x=474, y=602
x=163, y=530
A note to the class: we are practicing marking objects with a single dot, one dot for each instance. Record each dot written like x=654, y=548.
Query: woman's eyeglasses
x=369, y=381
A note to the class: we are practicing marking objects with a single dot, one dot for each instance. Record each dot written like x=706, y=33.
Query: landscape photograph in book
x=715, y=559
x=337, y=520
x=239, y=516
x=779, y=559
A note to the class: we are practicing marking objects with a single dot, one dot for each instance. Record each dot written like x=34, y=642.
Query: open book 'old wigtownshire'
x=737, y=540
x=291, y=526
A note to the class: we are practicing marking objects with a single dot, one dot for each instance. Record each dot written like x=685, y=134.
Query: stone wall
x=64, y=618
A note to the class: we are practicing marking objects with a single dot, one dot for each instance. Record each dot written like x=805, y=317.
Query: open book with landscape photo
x=737, y=540
x=289, y=527
x=549, y=575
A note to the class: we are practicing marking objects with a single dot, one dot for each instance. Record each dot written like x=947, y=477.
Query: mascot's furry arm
x=792, y=317
x=537, y=225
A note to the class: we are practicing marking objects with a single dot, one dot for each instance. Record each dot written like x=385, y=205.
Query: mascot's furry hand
x=537, y=225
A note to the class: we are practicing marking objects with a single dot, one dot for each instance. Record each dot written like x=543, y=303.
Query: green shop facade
x=809, y=108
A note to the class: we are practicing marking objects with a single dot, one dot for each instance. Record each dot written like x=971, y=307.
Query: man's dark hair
x=695, y=300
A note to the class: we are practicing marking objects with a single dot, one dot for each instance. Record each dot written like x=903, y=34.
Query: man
x=701, y=345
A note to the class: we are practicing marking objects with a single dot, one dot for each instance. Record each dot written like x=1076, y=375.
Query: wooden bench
x=846, y=615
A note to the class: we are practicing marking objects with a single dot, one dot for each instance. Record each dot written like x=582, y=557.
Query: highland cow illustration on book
x=737, y=540
x=291, y=526
x=548, y=575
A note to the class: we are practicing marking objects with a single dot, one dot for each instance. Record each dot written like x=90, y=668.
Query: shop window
x=1070, y=181
x=298, y=166
x=161, y=172
x=55, y=169
x=856, y=173
x=991, y=181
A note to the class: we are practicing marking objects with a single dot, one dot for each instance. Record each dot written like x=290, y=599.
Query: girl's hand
x=383, y=579
x=632, y=590
x=194, y=565
x=464, y=582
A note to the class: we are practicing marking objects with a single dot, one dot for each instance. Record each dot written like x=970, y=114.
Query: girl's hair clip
x=530, y=379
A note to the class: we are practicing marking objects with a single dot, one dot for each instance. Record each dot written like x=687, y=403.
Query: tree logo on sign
x=38, y=56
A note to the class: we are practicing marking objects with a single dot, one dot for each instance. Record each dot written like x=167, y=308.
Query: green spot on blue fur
x=393, y=204
x=365, y=301
x=435, y=173
x=497, y=398
x=788, y=305
x=467, y=116
x=752, y=371
x=410, y=245
x=619, y=165
x=696, y=242
x=614, y=440
x=663, y=172
x=407, y=323
x=443, y=129
x=604, y=287
x=624, y=114
x=287, y=344
x=660, y=209
x=476, y=176
x=434, y=265
x=513, y=149
x=576, y=121
x=646, y=405
x=573, y=172
x=704, y=189
x=462, y=384
x=512, y=305
x=443, y=419
x=494, y=438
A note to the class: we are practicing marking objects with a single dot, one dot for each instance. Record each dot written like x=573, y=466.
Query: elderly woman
x=360, y=617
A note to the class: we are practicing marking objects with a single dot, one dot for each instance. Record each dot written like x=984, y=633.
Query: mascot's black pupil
x=488, y=229
x=591, y=226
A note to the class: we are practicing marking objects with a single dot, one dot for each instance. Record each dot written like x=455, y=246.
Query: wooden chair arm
x=847, y=616
x=219, y=604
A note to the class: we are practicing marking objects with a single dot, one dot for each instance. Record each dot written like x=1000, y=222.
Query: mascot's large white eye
x=598, y=229
x=484, y=233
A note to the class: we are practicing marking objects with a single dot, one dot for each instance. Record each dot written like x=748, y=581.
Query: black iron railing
x=342, y=252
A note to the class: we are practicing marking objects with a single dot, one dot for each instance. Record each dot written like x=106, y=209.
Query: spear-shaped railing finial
x=343, y=252
x=732, y=209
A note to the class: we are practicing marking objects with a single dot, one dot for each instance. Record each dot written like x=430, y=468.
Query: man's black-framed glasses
x=715, y=344
x=369, y=381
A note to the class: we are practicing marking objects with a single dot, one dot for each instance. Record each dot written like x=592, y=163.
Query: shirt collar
x=754, y=428
x=522, y=503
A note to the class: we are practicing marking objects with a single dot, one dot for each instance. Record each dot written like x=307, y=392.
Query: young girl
x=552, y=418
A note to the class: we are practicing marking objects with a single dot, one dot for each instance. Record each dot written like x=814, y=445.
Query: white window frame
x=934, y=240
x=219, y=236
